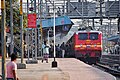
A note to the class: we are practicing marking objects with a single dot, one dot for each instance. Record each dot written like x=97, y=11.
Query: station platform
x=68, y=69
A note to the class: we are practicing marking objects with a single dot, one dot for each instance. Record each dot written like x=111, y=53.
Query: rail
x=110, y=59
x=111, y=63
x=109, y=69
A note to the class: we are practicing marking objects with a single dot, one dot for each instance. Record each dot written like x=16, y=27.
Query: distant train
x=86, y=45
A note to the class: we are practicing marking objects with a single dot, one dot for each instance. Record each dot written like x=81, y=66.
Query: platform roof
x=114, y=38
x=59, y=21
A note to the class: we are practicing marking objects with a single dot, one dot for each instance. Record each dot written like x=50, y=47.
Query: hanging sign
x=32, y=20
x=21, y=9
x=2, y=4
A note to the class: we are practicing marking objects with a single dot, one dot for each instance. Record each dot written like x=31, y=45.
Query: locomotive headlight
x=76, y=46
x=99, y=46
x=95, y=45
x=80, y=45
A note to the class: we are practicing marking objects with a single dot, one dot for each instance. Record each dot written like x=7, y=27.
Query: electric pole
x=3, y=35
x=54, y=63
x=21, y=65
x=21, y=25
x=11, y=28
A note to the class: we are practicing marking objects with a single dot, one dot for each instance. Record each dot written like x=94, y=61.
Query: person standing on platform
x=63, y=49
x=12, y=68
x=45, y=48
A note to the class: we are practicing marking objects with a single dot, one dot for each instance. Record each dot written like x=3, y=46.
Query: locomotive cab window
x=82, y=36
x=93, y=36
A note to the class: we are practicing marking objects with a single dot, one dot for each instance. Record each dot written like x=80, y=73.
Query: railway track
x=108, y=69
x=105, y=68
x=117, y=77
x=110, y=64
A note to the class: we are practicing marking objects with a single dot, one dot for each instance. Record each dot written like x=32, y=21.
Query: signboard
x=32, y=20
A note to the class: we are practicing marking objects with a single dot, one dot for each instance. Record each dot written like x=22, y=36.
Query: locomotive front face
x=88, y=44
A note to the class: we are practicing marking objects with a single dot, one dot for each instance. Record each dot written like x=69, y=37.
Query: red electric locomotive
x=87, y=45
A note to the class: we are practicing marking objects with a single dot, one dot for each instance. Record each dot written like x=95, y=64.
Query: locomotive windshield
x=82, y=36
x=93, y=36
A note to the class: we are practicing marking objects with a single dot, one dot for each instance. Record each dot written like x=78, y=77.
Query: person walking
x=45, y=47
x=11, y=68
